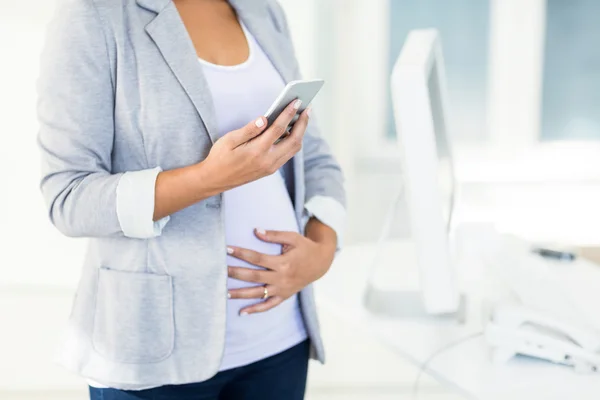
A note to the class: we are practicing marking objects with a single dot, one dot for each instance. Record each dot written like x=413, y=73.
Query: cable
x=425, y=365
x=385, y=232
x=391, y=214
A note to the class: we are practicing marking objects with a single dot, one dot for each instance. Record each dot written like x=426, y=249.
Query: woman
x=205, y=236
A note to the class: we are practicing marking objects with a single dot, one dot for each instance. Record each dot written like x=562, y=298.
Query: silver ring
x=266, y=293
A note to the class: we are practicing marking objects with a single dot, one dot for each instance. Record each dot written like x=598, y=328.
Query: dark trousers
x=282, y=376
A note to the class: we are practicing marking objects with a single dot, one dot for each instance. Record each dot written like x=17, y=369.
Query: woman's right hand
x=248, y=154
x=239, y=157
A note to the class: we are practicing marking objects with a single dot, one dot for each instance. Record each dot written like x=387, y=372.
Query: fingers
x=248, y=132
x=251, y=256
x=279, y=237
x=251, y=275
x=257, y=292
x=263, y=306
x=280, y=125
x=293, y=143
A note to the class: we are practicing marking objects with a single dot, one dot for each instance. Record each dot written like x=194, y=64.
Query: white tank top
x=240, y=94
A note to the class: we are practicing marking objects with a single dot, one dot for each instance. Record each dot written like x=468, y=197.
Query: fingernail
x=309, y=111
x=229, y=250
x=259, y=123
x=243, y=314
x=297, y=104
x=228, y=295
x=261, y=231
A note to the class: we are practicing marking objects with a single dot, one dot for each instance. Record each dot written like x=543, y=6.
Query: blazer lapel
x=255, y=15
x=170, y=36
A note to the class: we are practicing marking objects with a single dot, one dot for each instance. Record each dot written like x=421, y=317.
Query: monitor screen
x=445, y=172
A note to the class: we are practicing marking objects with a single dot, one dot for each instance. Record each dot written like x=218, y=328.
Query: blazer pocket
x=133, y=321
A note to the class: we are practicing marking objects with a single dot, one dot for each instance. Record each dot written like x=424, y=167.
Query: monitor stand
x=392, y=288
x=406, y=304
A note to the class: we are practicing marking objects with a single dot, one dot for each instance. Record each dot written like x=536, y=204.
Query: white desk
x=467, y=368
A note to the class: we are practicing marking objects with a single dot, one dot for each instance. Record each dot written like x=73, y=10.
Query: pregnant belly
x=265, y=204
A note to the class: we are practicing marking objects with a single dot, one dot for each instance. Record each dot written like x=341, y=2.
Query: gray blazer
x=121, y=90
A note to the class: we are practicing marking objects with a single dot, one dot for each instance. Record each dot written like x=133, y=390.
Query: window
x=464, y=31
x=571, y=84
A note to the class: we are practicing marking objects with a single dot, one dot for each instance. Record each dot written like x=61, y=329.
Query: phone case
x=302, y=90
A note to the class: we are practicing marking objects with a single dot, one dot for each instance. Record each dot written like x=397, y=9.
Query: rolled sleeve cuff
x=330, y=212
x=135, y=204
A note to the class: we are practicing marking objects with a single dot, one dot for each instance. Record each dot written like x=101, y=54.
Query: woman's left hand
x=302, y=262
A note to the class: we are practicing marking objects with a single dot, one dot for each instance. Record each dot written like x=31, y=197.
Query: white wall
x=39, y=267
x=346, y=43
x=30, y=245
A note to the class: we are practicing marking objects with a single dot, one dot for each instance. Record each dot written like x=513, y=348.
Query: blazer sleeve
x=76, y=129
x=322, y=173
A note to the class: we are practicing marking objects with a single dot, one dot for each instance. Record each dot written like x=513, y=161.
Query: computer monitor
x=419, y=104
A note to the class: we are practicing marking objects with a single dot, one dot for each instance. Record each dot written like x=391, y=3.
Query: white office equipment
x=553, y=313
x=419, y=99
x=567, y=291
x=466, y=368
x=516, y=330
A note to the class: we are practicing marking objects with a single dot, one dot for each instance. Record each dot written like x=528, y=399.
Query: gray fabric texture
x=121, y=90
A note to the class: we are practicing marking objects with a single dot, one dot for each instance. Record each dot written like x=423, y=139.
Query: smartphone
x=304, y=90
